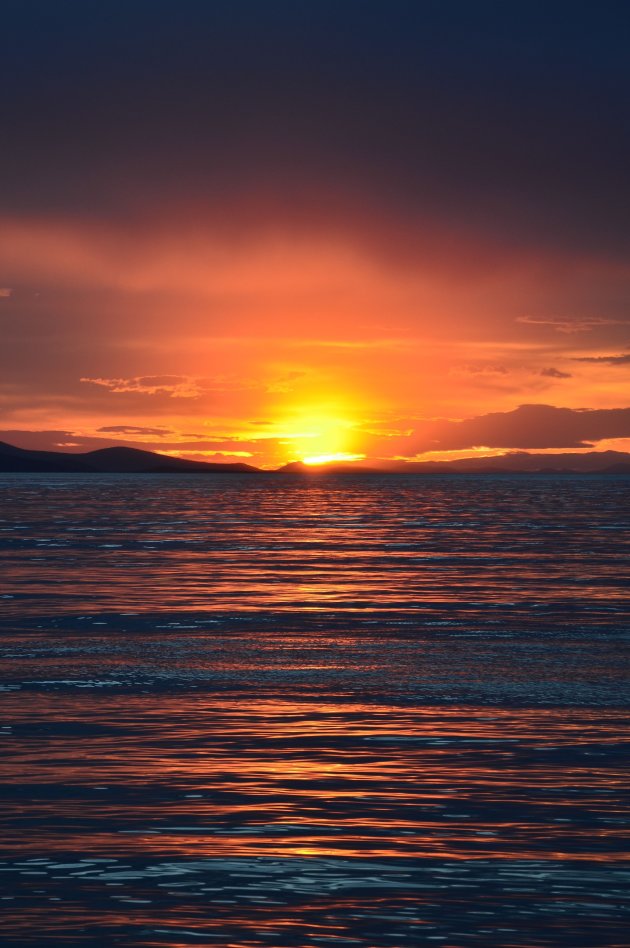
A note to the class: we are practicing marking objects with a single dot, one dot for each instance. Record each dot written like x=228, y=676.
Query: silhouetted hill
x=122, y=460
x=108, y=461
x=133, y=460
x=523, y=462
x=19, y=459
x=514, y=462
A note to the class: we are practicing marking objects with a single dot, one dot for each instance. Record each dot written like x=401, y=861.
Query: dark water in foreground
x=262, y=711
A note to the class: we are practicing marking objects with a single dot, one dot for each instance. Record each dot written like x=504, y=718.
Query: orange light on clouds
x=317, y=348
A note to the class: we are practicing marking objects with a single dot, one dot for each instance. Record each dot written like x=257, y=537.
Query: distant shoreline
x=124, y=460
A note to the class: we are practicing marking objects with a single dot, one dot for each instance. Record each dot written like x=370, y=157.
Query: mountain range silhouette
x=120, y=460
x=123, y=460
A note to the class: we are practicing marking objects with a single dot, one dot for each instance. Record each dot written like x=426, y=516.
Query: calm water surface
x=273, y=711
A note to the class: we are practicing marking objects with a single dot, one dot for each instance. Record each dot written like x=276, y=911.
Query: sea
x=320, y=711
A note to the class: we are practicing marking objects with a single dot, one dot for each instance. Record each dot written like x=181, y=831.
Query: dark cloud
x=527, y=427
x=136, y=430
x=483, y=368
x=623, y=359
x=552, y=373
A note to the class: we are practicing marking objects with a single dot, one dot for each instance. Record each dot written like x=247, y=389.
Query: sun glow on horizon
x=327, y=458
x=318, y=436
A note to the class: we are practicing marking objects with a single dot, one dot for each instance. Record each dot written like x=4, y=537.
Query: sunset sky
x=264, y=230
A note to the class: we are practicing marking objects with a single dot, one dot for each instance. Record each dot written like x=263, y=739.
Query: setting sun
x=327, y=458
x=317, y=437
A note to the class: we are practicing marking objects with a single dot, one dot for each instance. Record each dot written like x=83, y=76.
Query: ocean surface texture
x=271, y=710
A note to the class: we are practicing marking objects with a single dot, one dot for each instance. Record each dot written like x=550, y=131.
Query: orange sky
x=247, y=237
x=283, y=346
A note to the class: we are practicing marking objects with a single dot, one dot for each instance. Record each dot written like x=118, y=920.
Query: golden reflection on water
x=285, y=543
x=285, y=820
x=180, y=817
x=374, y=714
x=284, y=778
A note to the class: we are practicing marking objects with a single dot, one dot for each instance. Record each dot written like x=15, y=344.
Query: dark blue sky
x=512, y=116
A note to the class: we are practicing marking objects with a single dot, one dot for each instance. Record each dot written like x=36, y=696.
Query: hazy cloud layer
x=571, y=325
x=497, y=117
x=173, y=385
